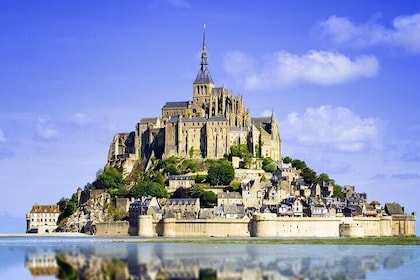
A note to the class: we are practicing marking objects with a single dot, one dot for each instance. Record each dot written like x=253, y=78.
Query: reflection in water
x=119, y=260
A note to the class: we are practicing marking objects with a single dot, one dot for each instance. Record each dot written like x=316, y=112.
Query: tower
x=203, y=83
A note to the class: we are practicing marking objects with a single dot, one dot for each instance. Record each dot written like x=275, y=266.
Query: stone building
x=228, y=198
x=202, y=128
x=182, y=208
x=147, y=206
x=42, y=218
x=178, y=181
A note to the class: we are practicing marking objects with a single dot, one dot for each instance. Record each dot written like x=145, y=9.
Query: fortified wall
x=266, y=225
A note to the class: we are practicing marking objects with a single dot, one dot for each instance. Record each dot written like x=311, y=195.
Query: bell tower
x=203, y=83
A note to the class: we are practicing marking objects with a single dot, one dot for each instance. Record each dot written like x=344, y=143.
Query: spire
x=203, y=75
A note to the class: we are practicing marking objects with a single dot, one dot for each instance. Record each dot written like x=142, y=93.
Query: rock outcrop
x=93, y=207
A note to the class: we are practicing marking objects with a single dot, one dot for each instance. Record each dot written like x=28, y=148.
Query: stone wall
x=206, y=228
x=112, y=228
x=267, y=225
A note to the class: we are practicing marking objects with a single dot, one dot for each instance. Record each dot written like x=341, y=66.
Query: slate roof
x=217, y=119
x=203, y=76
x=181, y=201
x=176, y=104
x=180, y=177
x=393, y=209
x=262, y=122
x=231, y=195
x=148, y=120
x=194, y=119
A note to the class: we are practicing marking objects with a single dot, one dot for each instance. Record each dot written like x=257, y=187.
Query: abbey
x=202, y=128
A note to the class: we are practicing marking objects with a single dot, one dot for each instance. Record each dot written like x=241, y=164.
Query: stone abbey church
x=202, y=128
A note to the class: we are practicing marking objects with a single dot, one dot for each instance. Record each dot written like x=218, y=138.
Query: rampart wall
x=112, y=228
x=266, y=225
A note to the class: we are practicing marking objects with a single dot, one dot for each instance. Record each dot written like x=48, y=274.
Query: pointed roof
x=203, y=75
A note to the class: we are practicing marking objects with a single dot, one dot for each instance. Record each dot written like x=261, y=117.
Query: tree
x=287, y=159
x=208, y=199
x=234, y=186
x=339, y=192
x=195, y=191
x=220, y=172
x=239, y=150
x=242, y=151
x=188, y=165
x=110, y=178
x=298, y=164
x=148, y=188
x=149, y=183
x=309, y=176
x=324, y=178
x=171, y=169
x=67, y=207
x=180, y=192
x=268, y=165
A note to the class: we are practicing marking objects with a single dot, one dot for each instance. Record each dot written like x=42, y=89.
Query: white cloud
x=282, y=68
x=336, y=127
x=46, y=129
x=238, y=63
x=405, y=32
x=80, y=119
x=2, y=136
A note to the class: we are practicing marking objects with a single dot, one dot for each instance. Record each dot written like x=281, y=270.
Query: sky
x=341, y=77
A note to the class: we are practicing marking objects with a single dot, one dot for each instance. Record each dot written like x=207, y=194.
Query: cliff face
x=93, y=207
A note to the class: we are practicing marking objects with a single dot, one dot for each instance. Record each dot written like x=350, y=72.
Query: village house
x=177, y=181
x=317, y=208
x=42, y=218
x=369, y=210
x=393, y=209
x=182, y=208
x=228, y=198
x=253, y=194
x=229, y=211
x=147, y=206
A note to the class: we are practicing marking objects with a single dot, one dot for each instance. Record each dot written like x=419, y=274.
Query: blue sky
x=342, y=79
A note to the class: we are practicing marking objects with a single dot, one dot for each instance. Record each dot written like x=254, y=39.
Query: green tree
x=324, y=178
x=195, y=191
x=235, y=186
x=148, y=188
x=309, y=176
x=172, y=169
x=208, y=199
x=220, y=172
x=239, y=150
x=287, y=159
x=110, y=178
x=67, y=207
x=338, y=191
x=188, y=165
x=148, y=183
x=268, y=164
x=298, y=164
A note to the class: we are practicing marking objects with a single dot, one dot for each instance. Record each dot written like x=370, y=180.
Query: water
x=107, y=258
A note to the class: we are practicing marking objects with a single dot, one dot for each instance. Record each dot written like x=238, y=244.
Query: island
x=206, y=168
